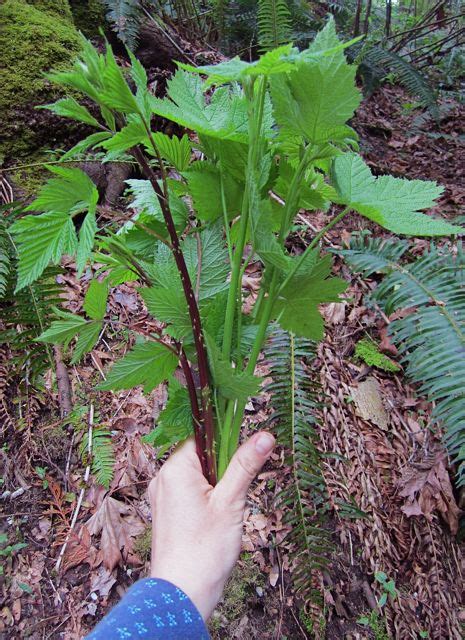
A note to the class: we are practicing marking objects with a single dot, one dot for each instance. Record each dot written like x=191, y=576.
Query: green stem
x=312, y=245
x=256, y=105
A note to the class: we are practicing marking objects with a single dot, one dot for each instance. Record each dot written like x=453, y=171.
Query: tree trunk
x=366, y=23
x=358, y=13
x=387, y=29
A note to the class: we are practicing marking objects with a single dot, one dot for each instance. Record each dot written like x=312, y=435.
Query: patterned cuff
x=152, y=609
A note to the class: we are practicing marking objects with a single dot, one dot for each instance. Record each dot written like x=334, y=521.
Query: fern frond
x=431, y=336
x=380, y=61
x=24, y=315
x=5, y=260
x=294, y=417
x=102, y=455
x=274, y=24
x=125, y=18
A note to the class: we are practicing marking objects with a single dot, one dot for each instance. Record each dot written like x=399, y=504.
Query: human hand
x=197, y=528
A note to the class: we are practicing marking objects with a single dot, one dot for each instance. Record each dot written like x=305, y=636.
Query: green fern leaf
x=274, y=24
x=391, y=202
x=431, y=338
x=294, y=416
x=102, y=458
x=125, y=17
x=380, y=61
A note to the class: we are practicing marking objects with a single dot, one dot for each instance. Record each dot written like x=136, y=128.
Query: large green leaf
x=71, y=192
x=296, y=308
x=169, y=305
x=318, y=97
x=176, y=150
x=69, y=326
x=393, y=203
x=232, y=384
x=205, y=184
x=133, y=134
x=147, y=364
x=41, y=240
x=145, y=199
x=211, y=260
x=95, y=301
x=224, y=117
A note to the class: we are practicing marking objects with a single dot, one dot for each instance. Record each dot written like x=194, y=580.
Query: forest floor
x=388, y=465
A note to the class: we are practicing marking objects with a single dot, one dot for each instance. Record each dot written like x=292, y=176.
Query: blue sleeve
x=152, y=609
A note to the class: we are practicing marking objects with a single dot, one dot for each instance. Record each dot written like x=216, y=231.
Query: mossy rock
x=60, y=8
x=88, y=16
x=33, y=41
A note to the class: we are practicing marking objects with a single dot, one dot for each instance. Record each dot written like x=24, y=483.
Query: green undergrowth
x=58, y=8
x=33, y=41
x=368, y=351
x=88, y=16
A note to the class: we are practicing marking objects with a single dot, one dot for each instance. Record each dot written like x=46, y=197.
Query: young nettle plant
x=271, y=137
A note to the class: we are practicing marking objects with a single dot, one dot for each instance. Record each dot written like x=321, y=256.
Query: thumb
x=244, y=466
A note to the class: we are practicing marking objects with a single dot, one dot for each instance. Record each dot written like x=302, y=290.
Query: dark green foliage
x=294, y=416
x=377, y=62
x=430, y=334
x=102, y=456
x=24, y=315
x=125, y=17
x=274, y=24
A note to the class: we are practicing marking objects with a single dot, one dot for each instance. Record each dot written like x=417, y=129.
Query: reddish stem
x=206, y=421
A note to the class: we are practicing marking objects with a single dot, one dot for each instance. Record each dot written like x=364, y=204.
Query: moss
x=32, y=42
x=60, y=8
x=368, y=351
x=241, y=586
x=143, y=544
x=88, y=15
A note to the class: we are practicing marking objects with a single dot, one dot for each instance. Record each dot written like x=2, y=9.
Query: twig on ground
x=81, y=494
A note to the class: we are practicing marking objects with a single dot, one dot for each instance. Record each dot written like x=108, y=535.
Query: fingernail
x=264, y=444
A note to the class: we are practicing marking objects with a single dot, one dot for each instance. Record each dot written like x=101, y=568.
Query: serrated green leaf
x=62, y=331
x=232, y=384
x=70, y=108
x=95, y=301
x=174, y=424
x=41, y=240
x=131, y=135
x=169, y=305
x=88, y=143
x=204, y=182
x=147, y=364
x=318, y=97
x=393, y=203
x=235, y=69
x=87, y=338
x=177, y=151
x=214, y=266
x=146, y=200
x=116, y=94
x=71, y=192
x=224, y=117
x=86, y=241
x=296, y=308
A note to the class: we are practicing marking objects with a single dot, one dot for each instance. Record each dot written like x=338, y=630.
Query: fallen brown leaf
x=118, y=524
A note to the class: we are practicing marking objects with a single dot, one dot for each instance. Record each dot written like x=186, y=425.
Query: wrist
x=203, y=593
